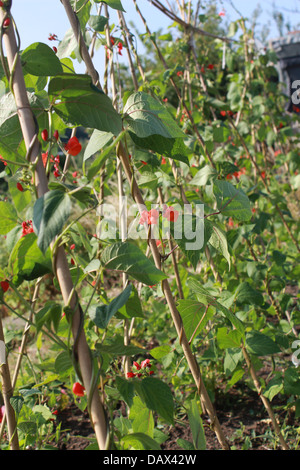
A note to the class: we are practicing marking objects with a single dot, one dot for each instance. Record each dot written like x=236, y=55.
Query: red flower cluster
x=73, y=147
x=228, y=113
x=140, y=369
x=27, y=228
x=56, y=173
x=237, y=174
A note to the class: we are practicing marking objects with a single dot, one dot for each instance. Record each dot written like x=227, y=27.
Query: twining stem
x=7, y=391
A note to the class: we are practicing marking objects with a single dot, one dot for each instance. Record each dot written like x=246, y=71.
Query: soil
x=242, y=416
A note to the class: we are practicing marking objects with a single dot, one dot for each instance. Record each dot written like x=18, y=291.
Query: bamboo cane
x=28, y=127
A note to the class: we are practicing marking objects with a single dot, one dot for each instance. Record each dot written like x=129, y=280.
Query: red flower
x=4, y=285
x=211, y=66
x=136, y=364
x=1, y=4
x=2, y=409
x=73, y=146
x=26, y=228
x=223, y=113
x=52, y=37
x=263, y=174
x=72, y=247
x=55, y=135
x=163, y=161
x=222, y=13
x=78, y=389
x=145, y=363
x=120, y=47
x=149, y=217
x=74, y=174
x=6, y=23
x=55, y=49
x=179, y=73
x=229, y=177
x=144, y=163
x=44, y=135
x=171, y=214
x=20, y=187
x=130, y=375
x=3, y=161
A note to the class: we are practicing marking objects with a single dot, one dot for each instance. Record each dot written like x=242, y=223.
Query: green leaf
x=260, y=344
x=291, y=381
x=133, y=306
x=196, y=426
x=127, y=257
x=126, y=389
x=39, y=59
x=206, y=298
x=141, y=418
x=102, y=314
x=228, y=339
x=231, y=201
x=152, y=127
x=218, y=241
x=27, y=262
x=8, y=217
x=63, y=363
x=194, y=316
x=273, y=387
x=115, y=4
x=140, y=441
x=79, y=103
x=157, y=396
x=98, y=22
x=204, y=176
x=97, y=141
x=50, y=213
x=246, y=295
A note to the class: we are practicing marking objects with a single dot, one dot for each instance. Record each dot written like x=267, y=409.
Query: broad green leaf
x=126, y=389
x=161, y=351
x=50, y=314
x=97, y=141
x=157, y=396
x=102, y=314
x=246, y=295
x=218, y=241
x=196, y=425
x=140, y=441
x=291, y=381
x=27, y=262
x=21, y=199
x=79, y=103
x=133, y=307
x=50, y=213
x=231, y=201
x=63, y=364
x=228, y=339
x=127, y=257
x=152, y=127
x=17, y=403
x=260, y=344
x=208, y=299
x=273, y=387
x=98, y=22
x=194, y=316
x=40, y=59
x=205, y=175
x=141, y=417
x=8, y=217
x=115, y=4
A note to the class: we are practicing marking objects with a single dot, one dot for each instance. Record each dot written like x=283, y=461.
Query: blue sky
x=35, y=19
